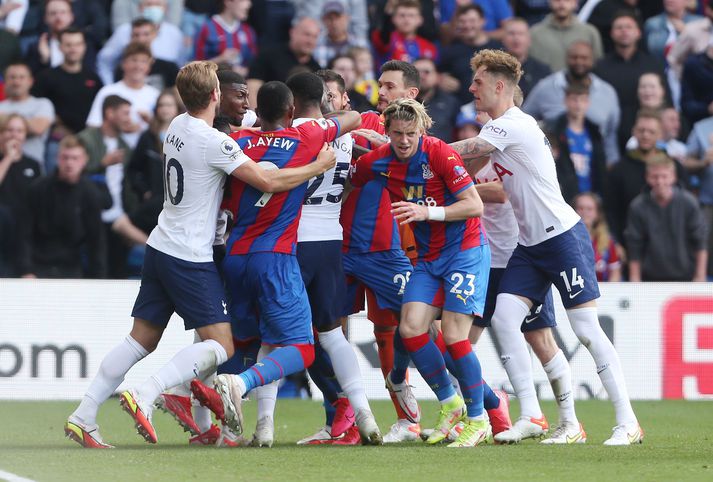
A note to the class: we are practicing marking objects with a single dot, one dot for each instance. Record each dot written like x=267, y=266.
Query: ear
x=413, y=92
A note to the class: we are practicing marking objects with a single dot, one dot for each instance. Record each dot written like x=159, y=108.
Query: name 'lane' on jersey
x=434, y=176
x=267, y=222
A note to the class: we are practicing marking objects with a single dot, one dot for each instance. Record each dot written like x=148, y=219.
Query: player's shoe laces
x=322, y=435
x=343, y=417
x=179, y=408
x=232, y=398
x=228, y=438
x=368, y=429
x=209, y=437
x=208, y=398
x=140, y=413
x=566, y=433
x=402, y=431
x=626, y=434
x=523, y=428
x=407, y=401
x=500, y=417
x=264, y=433
x=474, y=433
x=450, y=414
x=87, y=436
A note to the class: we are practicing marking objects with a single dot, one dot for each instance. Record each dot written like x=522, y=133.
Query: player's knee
x=474, y=334
x=407, y=330
x=146, y=334
x=543, y=343
x=307, y=353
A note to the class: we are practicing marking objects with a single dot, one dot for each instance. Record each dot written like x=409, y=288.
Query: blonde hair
x=499, y=63
x=195, y=82
x=5, y=120
x=70, y=142
x=407, y=110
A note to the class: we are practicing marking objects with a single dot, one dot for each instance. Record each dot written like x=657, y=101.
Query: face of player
x=562, y=9
x=338, y=100
x=469, y=25
x=404, y=137
x=650, y=91
x=576, y=105
x=580, y=60
x=58, y=16
x=392, y=87
x=73, y=47
x=517, y=38
x=586, y=207
x=661, y=180
x=407, y=20
x=18, y=82
x=345, y=67
x=234, y=102
x=625, y=32
x=70, y=164
x=166, y=108
x=15, y=132
x=136, y=67
x=647, y=132
x=239, y=8
x=144, y=34
x=484, y=89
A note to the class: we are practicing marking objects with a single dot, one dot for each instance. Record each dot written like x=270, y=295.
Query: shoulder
x=688, y=198
x=639, y=202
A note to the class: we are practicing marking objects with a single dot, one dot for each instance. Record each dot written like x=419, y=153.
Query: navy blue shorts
x=323, y=275
x=168, y=285
x=567, y=261
x=385, y=273
x=540, y=316
x=268, y=287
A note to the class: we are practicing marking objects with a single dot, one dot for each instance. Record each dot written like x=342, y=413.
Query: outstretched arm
x=491, y=192
x=474, y=152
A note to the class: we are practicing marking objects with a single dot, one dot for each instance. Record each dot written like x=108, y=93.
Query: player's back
x=196, y=159
x=523, y=161
x=367, y=221
x=265, y=221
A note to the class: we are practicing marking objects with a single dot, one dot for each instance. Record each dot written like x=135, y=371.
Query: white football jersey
x=523, y=161
x=196, y=160
x=323, y=201
x=499, y=222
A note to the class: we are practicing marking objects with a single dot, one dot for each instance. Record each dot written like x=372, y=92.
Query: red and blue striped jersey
x=401, y=48
x=434, y=176
x=268, y=221
x=213, y=38
x=367, y=222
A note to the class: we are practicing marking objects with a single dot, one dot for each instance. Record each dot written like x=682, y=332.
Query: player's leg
x=571, y=267
x=266, y=396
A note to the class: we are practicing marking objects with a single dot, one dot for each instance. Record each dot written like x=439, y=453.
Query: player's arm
x=279, y=180
x=358, y=151
x=491, y=192
x=474, y=152
x=469, y=205
x=376, y=139
x=348, y=120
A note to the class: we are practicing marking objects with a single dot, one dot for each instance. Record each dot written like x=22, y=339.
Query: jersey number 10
x=168, y=192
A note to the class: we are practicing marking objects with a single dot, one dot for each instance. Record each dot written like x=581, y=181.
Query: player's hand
x=327, y=158
x=376, y=139
x=406, y=212
x=114, y=157
x=43, y=48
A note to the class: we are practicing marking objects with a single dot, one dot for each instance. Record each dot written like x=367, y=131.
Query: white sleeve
x=500, y=133
x=223, y=153
x=94, y=119
x=249, y=119
x=16, y=18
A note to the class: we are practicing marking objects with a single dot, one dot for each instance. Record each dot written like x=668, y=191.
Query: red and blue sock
x=283, y=361
x=469, y=376
x=401, y=360
x=429, y=361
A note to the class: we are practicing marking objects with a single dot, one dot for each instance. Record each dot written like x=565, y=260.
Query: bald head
x=303, y=36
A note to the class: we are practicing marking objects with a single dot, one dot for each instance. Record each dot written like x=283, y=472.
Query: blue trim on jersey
x=339, y=127
x=461, y=190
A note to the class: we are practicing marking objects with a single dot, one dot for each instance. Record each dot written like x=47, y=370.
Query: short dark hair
x=230, y=77
x=328, y=75
x=274, y=99
x=407, y=4
x=580, y=87
x=410, y=74
x=141, y=22
x=136, y=48
x=70, y=31
x=112, y=102
x=307, y=88
x=18, y=63
x=626, y=13
x=467, y=8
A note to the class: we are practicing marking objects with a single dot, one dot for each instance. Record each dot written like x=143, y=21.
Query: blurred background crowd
x=623, y=88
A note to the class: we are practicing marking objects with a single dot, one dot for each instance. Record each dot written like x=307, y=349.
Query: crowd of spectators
x=622, y=89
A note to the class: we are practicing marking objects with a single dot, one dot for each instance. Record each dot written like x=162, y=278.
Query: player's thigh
x=416, y=318
x=153, y=303
x=242, y=297
x=465, y=281
x=326, y=289
x=455, y=326
x=385, y=273
x=285, y=316
x=523, y=278
x=491, y=295
x=540, y=316
x=568, y=260
x=424, y=286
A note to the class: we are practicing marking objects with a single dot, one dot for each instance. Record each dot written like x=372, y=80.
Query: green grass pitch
x=678, y=446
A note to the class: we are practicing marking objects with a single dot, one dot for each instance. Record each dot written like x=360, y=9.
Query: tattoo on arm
x=473, y=149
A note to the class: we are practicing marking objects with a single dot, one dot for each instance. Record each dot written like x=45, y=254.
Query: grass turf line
x=678, y=446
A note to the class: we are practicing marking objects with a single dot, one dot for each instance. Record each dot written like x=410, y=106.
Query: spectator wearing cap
x=470, y=38
x=356, y=10
x=167, y=44
x=517, y=41
x=335, y=38
x=227, y=37
x=442, y=107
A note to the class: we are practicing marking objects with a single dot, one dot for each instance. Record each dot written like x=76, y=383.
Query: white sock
x=586, y=326
x=191, y=362
x=111, y=373
x=508, y=316
x=266, y=394
x=346, y=367
x=201, y=414
x=184, y=389
x=560, y=376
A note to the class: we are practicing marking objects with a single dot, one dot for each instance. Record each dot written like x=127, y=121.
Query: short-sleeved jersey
x=402, y=48
x=367, y=221
x=370, y=120
x=499, y=222
x=434, y=176
x=196, y=159
x=323, y=201
x=523, y=161
x=265, y=222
